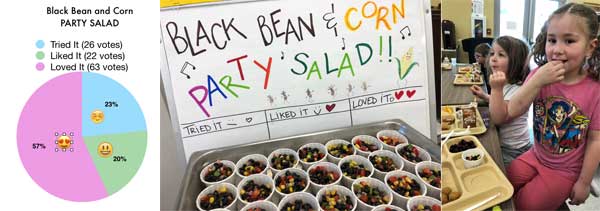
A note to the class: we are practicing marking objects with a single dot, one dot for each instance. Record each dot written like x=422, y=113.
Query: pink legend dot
x=39, y=66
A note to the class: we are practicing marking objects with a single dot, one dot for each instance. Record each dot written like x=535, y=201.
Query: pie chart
x=82, y=136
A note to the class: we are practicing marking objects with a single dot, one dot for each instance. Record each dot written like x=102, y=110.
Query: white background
x=25, y=22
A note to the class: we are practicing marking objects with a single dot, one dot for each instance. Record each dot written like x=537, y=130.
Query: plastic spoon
x=448, y=136
x=465, y=132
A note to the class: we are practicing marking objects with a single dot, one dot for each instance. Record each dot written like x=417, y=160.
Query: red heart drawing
x=399, y=94
x=330, y=107
x=410, y=93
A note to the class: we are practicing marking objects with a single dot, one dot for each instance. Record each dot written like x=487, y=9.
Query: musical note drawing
x=405, y=28
x=183, y=69
x=330, y=21
x=344, y=42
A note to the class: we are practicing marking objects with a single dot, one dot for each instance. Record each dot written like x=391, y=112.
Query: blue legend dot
x=39, y=44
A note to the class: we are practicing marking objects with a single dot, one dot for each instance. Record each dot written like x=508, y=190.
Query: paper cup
x=243, y=160
x=374, y=183
x=281, y=151
x=395, y=158
x=259, y=179
x=408, y=165
x=266, y=205
x=335, y=142
x=400, y=200
x=346, y=180
x=383, y=207
x=472, y=163
x=230, y=188
x=392, y=134
x=318, y=146
x=306, y=198
x=368, y=139
x=342, y=191
x=330, y=167
x=300, y=173
x=424, y=200
x=432, y=191
x=230, y=179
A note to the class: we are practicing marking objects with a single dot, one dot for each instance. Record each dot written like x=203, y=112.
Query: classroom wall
x=455, y=12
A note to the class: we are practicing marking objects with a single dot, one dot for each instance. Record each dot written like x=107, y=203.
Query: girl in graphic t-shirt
x=564, y=91
x=509, y=56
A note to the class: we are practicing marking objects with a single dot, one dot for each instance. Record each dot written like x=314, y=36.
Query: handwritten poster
x=242, y=72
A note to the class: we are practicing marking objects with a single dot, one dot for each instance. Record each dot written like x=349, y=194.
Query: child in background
x=508, y=56
x=481, y=53
x=566, y=105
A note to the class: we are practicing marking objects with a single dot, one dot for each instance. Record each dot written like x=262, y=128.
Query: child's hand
x=579, y=193
x=478, y=91
x=497, y=80
x=551, y=72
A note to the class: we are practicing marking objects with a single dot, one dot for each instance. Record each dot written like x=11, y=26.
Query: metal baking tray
x=191, y=185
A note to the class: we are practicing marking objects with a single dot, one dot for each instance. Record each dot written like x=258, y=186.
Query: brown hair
x=483, y=49
x=517, y=52
x=591, y=23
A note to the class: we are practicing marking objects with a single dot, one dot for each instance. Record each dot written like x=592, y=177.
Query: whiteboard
x=243, y=71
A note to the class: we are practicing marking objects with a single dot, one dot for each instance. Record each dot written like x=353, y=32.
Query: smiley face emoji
x=97, y=116
x=105, y=149
x=64, y=142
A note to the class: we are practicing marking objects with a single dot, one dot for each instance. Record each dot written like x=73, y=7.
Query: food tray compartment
x=460, y=79
x=475, y=184
x=457, y=125
x=465, y=69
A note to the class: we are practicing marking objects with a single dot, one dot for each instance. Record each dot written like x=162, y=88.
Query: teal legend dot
x=39, y=66
x=39, y=55
x=39, y=44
